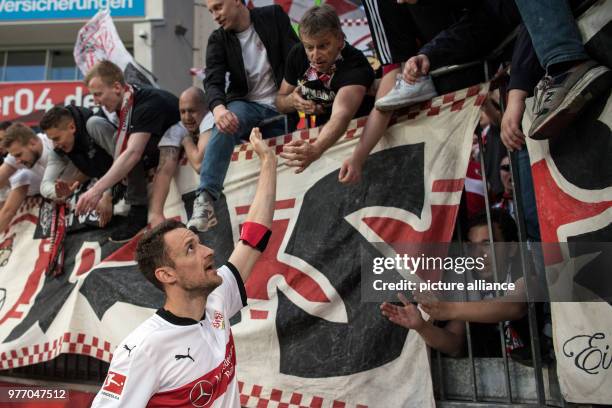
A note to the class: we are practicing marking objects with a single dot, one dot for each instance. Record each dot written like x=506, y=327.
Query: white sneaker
x=405, y=94
x=203, y=217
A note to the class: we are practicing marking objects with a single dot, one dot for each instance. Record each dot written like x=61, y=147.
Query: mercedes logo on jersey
x=201, y=393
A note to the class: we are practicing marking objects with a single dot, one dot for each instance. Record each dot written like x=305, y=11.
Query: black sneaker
x=135, y=222
x=560, y=99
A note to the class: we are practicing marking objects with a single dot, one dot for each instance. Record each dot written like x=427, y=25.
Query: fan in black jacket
x=245, y=64
x=74, y=149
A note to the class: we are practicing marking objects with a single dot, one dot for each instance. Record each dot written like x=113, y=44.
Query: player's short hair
x=500, y=218
x=107, y=71
x=55, y=117
x=152, y=253
x=17, y=132
x=320, y=19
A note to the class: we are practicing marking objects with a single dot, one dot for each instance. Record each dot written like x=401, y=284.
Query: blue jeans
x=528, y=202
x=553, y=31
x=221, y=145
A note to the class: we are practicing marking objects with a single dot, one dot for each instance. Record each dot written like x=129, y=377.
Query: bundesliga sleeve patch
x=113, y=385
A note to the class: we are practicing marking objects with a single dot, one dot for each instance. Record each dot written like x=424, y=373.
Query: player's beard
x=35, y=157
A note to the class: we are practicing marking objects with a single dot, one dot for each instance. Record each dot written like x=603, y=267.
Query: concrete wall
x=160, y=49
x=203, y=26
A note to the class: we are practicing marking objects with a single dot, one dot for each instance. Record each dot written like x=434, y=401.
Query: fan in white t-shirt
x=192, y=134
x=29, y=152
x=18, y=181
x=22, y=184
x=26, y=150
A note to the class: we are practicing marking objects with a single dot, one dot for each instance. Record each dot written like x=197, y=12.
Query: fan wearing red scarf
x=327, y=77
x=135, y=119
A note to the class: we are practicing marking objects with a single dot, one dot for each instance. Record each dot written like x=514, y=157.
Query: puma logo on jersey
x=182, y=356
x=129, y=350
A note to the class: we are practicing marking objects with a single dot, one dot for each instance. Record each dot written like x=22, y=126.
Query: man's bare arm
x=168, y=160
x=301, y=154
x=448, y=339
x=119, y=170
x=11, y=205
x=512, y=306
x=262, y=208
x=195, y=153
x=125, y=162
x=346, y=104
x=284, y=103
x=6, y=171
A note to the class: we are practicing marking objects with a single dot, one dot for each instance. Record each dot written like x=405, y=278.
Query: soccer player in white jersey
x=184, y=355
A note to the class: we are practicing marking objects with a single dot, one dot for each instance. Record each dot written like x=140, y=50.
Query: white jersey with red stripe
x=171, y=361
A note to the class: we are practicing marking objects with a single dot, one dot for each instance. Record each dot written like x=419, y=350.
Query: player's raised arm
x=256, y=229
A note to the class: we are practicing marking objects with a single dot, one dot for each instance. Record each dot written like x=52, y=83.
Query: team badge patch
x=218, y=321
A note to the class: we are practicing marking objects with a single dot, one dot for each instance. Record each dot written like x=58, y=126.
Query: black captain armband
x=255, y=235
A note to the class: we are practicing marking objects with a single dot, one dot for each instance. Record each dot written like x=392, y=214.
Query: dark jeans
x=528, y=201
x=553, y=30
x=221, y=145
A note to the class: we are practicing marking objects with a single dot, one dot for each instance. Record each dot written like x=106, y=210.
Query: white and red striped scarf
x=57, y=239
x=125, y=115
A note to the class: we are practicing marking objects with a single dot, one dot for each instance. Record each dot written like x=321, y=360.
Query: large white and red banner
x=305, y=338
x=306, y=335
x=573, y=186
x=574, y=199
